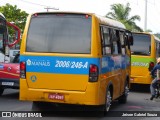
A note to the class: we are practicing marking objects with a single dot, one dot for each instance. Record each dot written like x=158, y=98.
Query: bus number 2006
x=71, y=64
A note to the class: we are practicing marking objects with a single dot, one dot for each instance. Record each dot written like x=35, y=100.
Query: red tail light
x=93, y=68
x=22, y=69
x=93, y=73
x=151, y=65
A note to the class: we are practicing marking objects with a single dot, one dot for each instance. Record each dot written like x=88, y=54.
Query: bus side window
x=123, y=46
x=3, y=37
x=1, y=41
x=157, y=49
x=116, y=44
x=106, y=44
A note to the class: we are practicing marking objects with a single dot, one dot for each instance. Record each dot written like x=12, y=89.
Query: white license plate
x=131, y=79
x=56, y=97
x=8, y=83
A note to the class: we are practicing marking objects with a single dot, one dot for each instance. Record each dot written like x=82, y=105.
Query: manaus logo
x=28, y=62
x=33, y=78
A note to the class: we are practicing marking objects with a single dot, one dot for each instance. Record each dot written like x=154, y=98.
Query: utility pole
x=145, y=18
x=53, y=8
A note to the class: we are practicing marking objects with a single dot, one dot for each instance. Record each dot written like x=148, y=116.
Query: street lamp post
x=145, y=19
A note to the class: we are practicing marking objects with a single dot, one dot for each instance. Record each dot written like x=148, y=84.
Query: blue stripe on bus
x=63, y=65
x=72, y=65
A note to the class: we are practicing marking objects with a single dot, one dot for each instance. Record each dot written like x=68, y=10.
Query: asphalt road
x=138, y=102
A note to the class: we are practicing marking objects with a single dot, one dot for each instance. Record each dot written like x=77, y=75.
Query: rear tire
x=123, y=98
x=108, y=101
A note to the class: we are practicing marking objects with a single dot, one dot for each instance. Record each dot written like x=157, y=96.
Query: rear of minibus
x=59, y=59
x=142, y=58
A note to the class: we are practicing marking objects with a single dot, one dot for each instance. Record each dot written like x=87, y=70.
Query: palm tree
x=121, y=13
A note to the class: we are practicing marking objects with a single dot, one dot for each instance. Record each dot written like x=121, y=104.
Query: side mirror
x=129, y=37
x=131, y=40
x=17, y=34
x=1, y=43
x=159, y=51
x=158, y=47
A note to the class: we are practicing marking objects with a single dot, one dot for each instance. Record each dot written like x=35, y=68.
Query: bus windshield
x=142, y=44
x=3, y=34
x=60, y=33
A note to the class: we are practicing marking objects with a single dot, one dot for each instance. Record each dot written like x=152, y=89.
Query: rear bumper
x=89, y=97
x=140, y=79
x=9, y=83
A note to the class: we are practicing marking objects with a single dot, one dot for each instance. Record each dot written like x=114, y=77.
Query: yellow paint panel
x=58, y=81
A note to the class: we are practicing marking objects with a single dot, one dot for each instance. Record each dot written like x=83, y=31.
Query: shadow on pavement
x=140, y=88
x=10, y=94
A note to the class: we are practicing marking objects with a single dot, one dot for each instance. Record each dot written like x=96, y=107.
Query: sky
x=100, y=7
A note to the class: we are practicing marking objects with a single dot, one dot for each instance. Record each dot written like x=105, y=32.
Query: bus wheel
x=108, y=100
x=1, y=91
x=123, y=98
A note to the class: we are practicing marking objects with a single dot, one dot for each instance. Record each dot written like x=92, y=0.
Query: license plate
x=8, y=83
x=56, y=96
x=131, y=79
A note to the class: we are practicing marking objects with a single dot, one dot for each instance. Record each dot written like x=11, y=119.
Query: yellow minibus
x=144, y=52
x=74, y=58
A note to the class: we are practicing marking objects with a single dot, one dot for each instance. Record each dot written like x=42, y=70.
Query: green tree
x=15, y=15
x=121, y=13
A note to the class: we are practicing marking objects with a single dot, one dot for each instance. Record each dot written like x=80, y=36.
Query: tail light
x=151, y=65
x=23, y=70
x=93, y=73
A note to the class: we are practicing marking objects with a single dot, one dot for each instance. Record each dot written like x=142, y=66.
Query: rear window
x=60, y=33
x=142, y=45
